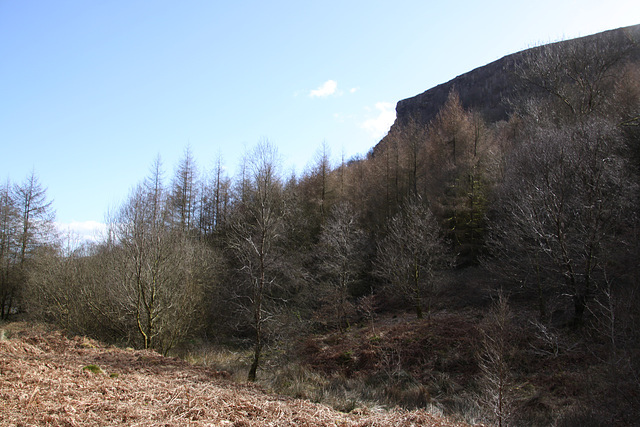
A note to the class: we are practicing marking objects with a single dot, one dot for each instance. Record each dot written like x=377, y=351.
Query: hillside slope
x=486, y=88
x=47, y=379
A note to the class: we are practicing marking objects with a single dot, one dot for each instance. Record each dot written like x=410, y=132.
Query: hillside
x=48, y=379
x=491, y=88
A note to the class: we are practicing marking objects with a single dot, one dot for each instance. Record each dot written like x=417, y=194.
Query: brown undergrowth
x=428, y=363
x=48, y=379
x=434, y=363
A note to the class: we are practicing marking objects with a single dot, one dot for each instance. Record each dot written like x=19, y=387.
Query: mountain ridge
x=486, y=88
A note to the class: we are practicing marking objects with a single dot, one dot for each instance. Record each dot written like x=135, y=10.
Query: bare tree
x=565, y=200
x=495, y=355
x=577, y=77
x=9, y=225
x=161, y=271
x=568, y=190
x=56, y=290
x=411, y=254
x=341, y=253
x=256, y=233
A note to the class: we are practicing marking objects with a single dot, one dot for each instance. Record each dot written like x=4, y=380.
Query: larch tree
x=323, y=170
x=36, y=216
x=8, y=249
x=29, y=218
x=461, y=152
x=184, y=193
x=315, y=192
x=214, y=200
x=413, y=143
x=495, y=356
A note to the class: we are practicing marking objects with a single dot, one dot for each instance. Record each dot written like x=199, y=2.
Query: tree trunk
x=256, y=359
x=579, y=305
x=257, y=349
x=419, y=313
x=416, y=287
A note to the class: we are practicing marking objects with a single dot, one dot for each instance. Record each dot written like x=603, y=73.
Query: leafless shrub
x=495, y=362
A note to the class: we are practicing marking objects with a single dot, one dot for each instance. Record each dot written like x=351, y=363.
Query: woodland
x=487, y=269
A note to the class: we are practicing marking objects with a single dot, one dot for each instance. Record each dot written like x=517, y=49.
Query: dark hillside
x=486, y=89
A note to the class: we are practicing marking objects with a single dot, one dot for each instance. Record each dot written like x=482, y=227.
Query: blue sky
x=92, y=91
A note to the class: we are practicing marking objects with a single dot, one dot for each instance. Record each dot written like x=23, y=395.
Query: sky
x=91, y=92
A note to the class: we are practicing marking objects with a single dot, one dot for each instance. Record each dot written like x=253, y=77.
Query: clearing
x=49, y=379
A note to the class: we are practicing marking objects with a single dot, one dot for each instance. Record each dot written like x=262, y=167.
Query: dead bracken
x=43, y=381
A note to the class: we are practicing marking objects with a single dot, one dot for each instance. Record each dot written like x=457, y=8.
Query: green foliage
x=94, y=369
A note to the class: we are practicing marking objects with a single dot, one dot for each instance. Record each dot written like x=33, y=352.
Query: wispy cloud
x=328, y=88
x=378, y=126
x=85, y=231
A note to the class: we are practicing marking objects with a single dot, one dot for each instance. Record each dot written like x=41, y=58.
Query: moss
x=93, y=368
x=346, y=357
x=87, y=344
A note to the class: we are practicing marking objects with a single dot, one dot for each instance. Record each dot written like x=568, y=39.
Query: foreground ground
x=48, y=379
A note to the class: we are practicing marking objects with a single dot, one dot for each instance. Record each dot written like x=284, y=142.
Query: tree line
x=544, y=203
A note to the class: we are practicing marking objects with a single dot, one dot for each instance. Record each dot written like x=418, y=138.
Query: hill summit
x=493, y=88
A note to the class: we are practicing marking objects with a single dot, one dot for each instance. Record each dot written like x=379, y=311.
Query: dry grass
x=43, y=382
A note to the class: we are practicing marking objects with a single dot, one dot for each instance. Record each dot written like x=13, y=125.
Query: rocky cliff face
x=487, y=89
x=484, y=88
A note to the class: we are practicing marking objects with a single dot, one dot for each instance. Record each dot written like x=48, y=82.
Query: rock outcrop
x=487, y=89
